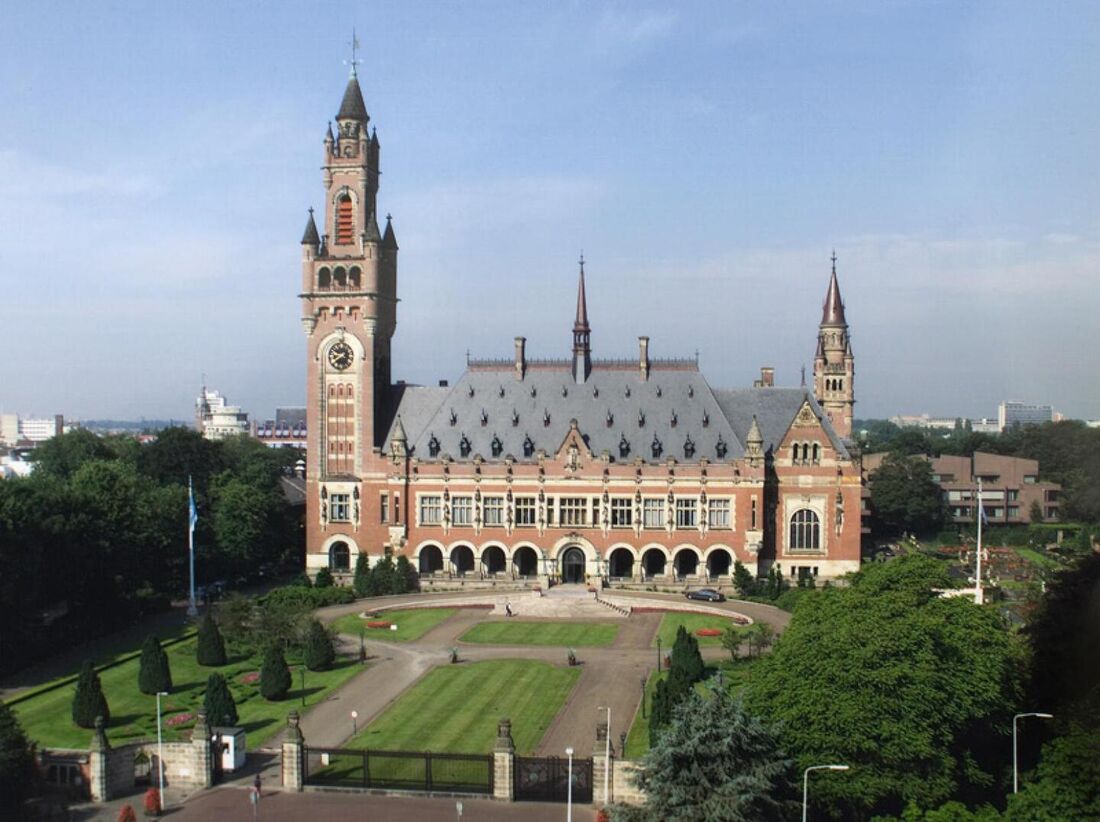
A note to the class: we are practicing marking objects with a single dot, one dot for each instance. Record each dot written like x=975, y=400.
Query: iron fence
x=399, y=770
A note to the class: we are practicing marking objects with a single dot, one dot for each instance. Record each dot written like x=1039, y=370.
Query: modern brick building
x=570, y=469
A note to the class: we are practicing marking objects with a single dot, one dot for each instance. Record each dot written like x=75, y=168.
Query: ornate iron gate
x=546, y=779
x=399, y=770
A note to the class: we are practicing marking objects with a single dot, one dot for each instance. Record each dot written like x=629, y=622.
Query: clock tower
x=349, y=300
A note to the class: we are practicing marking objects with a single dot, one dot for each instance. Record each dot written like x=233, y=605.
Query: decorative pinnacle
x=354, y=61
x=582, y=262
x=833, y=258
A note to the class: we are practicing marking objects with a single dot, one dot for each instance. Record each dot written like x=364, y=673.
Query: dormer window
x=433, y=446
x=628, y=391
x=497, y=447
x=656, y=447
x=345, y=221
x=691, y=391
x=706, y=419
x=595, y=391
x=641, y=418
x=721, y=448
x=658, y=390
x=610, y=418
x=545, y=418
x=454, y=418
x=500, y=392
x=484, y=418
x=564, y=391
x=464, y=446
x=469, y=391
x=674, y=420
x=515, y=418
x=689, y=447
x=528, y=446
x=624, y=447
x=534, y=391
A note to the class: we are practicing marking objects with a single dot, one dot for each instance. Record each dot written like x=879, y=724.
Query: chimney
x=643, y=357
x=521, y=358
x=767, y=378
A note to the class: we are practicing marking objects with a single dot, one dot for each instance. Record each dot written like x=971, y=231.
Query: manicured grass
x=672, y=620
x=411, y=624
x=564, y=634
x=455, y=708
x=47, y=718
x=1038, y=558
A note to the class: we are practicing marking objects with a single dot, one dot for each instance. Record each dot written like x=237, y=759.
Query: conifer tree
x=154, y=674
x=408, y=576
x=742, y=579
x=323, y=579
x=361, y=582
x=274, y=675
x=319, y=653
x=220, y=707
x=16, y=765
x=210, y=648
x=89, y=702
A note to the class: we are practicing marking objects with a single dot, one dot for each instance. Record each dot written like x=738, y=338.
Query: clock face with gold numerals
x=340, y=356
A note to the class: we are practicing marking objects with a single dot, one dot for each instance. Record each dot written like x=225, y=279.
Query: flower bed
x=250, y=678
x=707, y=632
x=378, y=623
x=179, y=719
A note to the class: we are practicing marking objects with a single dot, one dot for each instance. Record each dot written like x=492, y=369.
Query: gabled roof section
x=774, y=410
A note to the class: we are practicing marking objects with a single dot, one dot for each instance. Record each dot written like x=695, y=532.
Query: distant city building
x=216, y=419
x=985, y=426
x=9, y=429
x=287, y=430
x=1009, y=487
x=16, y=430
x=924, y=421
x=1021, y=413
x=13, y=463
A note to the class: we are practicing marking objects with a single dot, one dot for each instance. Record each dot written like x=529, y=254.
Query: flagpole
x=191, y=517
x=979, y=599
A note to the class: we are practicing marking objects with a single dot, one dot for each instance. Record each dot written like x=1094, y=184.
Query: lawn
x=1039, y=558
x=455, y=708
x=47, y=717
x=564, y=634
x=411, y=624
x=692, y=622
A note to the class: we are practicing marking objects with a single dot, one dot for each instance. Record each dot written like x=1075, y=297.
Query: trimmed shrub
x=89, y=702
x=274, y=675
x=319, y=653
x=154, y=674
x=218, y=702
x=126, y=814
x=361, y=583
x=210, y=648
x=323, y=579
x=302, y=580
x=16, y=764
x=293, y=596
x=407, y=573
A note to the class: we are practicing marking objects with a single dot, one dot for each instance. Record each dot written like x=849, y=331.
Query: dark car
x=709, y=594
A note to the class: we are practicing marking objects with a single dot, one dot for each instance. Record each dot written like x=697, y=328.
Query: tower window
x=805, y=532
x=345, y=224
x=340, y=277
x=324, y=278
x=355, y=278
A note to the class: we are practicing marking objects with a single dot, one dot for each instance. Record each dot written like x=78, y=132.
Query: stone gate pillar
x=202, y=753
x=504, y=762
x=601, y=765
x=293, y=754
x=99, y=757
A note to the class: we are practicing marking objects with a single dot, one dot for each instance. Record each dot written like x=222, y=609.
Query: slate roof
x=352, y=106
x=774, y=409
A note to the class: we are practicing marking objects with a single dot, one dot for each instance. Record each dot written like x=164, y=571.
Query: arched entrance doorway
x=621, y=563
x=431, y=559
x=719, y=563
x=525, y=561
x=462, y=560
x=653, y=563
x=493, y=560
x=572, y=565
x=686, y=563
x=339, y=557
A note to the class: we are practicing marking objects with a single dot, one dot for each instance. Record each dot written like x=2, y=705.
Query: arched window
x=354, y=277
x=340, y=277
x=816, y=453
x=805, y=531
x=339, y=557
x=324, y=278
x=345, y=226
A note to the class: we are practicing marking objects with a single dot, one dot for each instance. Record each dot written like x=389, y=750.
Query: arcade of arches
x=571, y=563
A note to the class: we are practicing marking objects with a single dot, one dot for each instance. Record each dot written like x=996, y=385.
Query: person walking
x=256, y=784
x=507, y=608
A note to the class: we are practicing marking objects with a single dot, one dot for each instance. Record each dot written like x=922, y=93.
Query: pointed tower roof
x=833, y=310
x=389, y=239
x=310, y=235
x=754, y=436
x=373, y=234
x=352, y=106
x=399, y=431
x=581, y=323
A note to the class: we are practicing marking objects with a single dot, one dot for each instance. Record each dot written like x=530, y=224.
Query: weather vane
x=354, y=61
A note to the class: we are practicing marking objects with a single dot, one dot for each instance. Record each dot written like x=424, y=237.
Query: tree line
x=97, y=534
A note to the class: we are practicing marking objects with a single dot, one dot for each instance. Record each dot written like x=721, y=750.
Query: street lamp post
x=806, y=783
x=303, y=672
x=607, y=755
x=160, y=753
x=658, y=654
x=354, y=722
x=643, y=698
x=569, y=788
x=1015, y=772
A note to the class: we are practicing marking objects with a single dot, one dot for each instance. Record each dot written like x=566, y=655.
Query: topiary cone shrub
x=154, y=674
x=218, y=702
x=274, y=675
x=88, y=701
x=319, y=653
x=210, y=648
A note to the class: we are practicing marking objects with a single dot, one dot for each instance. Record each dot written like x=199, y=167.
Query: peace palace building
x=569, y=469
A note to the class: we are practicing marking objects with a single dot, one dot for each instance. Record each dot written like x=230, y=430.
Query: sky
x=157, y=161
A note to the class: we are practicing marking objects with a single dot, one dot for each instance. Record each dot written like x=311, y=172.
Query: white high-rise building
x=216, y=419
x=1012, y=413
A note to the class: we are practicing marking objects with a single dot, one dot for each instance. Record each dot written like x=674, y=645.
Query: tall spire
x=582, y=353
x=833, y=309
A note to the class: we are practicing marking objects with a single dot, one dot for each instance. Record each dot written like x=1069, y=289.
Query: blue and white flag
x=192, y=512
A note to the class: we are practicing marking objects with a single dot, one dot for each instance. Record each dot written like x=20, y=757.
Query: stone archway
x=493, y=560
x=685, y=563
x=339, y=556
x=525, y=560
x=653, y=562
x=431, y=559
x=620, y=563
x=462, y=560
x=719, y=563
x=573, y=565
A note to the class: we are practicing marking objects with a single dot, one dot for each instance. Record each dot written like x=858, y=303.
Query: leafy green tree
x=716, y=761
x=274, y=675
x=1035, y=514
x=950, y=812
x=742, y=579
x=154, y=673
x=904, y=496
x=1066, y=785
x=88, y=701
x=319, y=651
x=221, y=709
x=383, y=577
x=912, y=689
x=732, y=637
x=210, y=646
x=16, y=765
x=660, y=711
x=324, y=579
x=62, y=456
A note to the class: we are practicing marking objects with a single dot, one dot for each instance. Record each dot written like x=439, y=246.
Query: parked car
x=708, y=594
